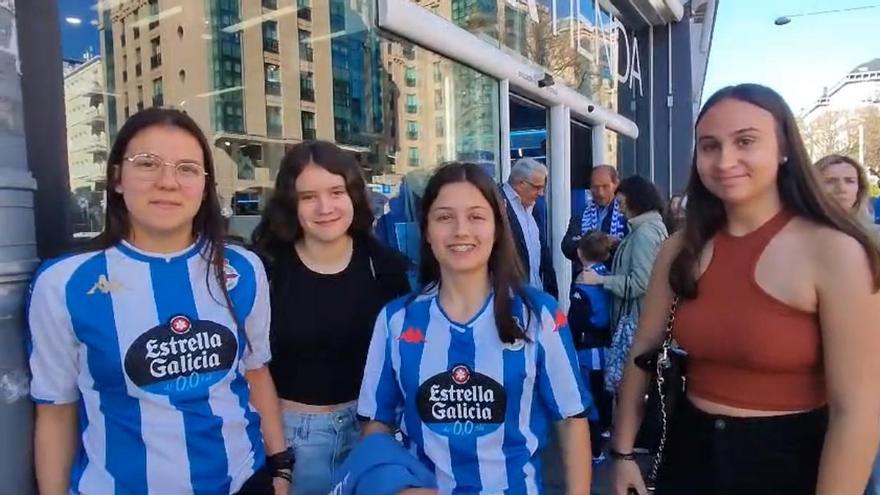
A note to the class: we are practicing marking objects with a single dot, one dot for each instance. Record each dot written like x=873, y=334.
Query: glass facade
x=262, y=76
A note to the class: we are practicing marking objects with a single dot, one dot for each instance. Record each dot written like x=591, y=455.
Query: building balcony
x=412, y=135
x=156, y=60
x=96, y=143
x=270, y=4
x=414, y=162
x=309, y=134
x=412, y=109
x=273, y=88
x=411, y=82
x=307, y=94
x=270, y=45
x=304, y=13
x=137, y=70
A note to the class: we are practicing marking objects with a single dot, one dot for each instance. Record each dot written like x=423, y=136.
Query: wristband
x=281, y=464
x=619, y=456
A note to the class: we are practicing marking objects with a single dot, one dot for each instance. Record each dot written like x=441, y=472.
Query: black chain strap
x=663, y=363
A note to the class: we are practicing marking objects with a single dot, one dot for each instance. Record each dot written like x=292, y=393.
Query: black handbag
x=667, y=367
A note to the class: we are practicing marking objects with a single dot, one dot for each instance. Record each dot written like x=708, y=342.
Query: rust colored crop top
x=747, y=349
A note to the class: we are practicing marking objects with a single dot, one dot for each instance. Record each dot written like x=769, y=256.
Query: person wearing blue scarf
x=601, y=213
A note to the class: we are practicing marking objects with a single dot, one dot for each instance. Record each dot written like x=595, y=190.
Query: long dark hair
x=279, y=228
x=796, y=181
x=505, y=271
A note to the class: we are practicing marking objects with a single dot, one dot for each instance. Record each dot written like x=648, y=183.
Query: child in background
x=589, y=317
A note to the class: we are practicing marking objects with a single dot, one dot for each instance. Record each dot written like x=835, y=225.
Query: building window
x=154, y=13
x=137, y=65
x=140, y=93
x=412, y=130
x=413, y=157
x=273, y=79
x=306, y=52
x=136, y=32
x=438, y=74
x=410, y=77
x=306, y=86
x=270, y=36
x=158, y=93
x=274, y=126
x=155, y=53
x=308, y=125
x=412, y=104
x=304, y=10
x=439, y=127
x=438, y=99
x=270, y=4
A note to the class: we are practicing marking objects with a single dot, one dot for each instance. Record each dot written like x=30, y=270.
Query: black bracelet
x=619, y=456
x=282, y=462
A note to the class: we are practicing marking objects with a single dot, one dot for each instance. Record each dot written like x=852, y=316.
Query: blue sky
x=797, y=59
x=77, y=39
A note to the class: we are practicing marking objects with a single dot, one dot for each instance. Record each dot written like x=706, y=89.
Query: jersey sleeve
x=258, y=353
x=52, y=346
x=380, y=394
x=560, y=385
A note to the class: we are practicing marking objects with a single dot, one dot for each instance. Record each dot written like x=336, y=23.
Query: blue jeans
x=320, y=442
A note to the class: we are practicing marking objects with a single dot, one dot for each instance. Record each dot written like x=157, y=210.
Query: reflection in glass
x=261, y=76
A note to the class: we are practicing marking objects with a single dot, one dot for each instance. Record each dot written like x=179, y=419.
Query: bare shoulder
x=829, y=248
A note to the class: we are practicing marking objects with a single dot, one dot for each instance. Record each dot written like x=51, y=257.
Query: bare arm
x=849, y=312
x=55, y=445
x=574, y=434
x=265, y=400
x=649, y=335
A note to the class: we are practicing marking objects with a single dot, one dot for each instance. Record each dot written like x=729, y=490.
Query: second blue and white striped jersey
x=476, y=410
x=156, y=364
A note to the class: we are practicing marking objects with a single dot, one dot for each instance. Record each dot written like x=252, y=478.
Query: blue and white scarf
x=590, y=220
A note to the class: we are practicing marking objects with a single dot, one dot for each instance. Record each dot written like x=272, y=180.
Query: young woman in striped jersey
x=149, y=350
x=480, y=364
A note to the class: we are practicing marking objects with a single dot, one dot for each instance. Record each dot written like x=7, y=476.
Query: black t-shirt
x=322, y=325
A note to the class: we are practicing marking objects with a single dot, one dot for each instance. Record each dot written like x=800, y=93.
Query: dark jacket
x=548, y=274
x=574, y=234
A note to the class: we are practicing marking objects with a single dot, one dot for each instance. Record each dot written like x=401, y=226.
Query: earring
x=784, y=159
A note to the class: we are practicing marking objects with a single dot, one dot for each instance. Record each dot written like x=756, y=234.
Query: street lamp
x=783, y=20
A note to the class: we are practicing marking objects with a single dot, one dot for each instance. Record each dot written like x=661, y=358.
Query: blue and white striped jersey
x=157, y=365
x=475, y=410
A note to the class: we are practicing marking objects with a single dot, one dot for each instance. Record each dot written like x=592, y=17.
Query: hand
x=280, y=485
x=589, y=277
x=626, y=476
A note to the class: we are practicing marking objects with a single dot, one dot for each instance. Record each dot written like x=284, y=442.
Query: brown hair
x=279, y=227
x=797, y=182
x=864, y=187
x=505, y=271
x=596, y=246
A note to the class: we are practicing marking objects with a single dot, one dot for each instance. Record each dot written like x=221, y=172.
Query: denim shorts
x=708, y=454
x=321, y=442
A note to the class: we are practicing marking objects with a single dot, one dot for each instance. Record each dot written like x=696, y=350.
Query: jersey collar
x=131, y=251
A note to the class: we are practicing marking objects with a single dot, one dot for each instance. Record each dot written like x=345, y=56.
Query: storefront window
x=576, y=41
x=259, y=81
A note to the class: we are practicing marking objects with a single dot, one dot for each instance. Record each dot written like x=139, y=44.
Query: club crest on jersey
x=461, y=402
x=182, y=357
x=230, y=274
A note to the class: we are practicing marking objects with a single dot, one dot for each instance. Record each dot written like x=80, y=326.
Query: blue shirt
x=379, y=465
x=156, y=364
x=531, y=233
x=476, y=410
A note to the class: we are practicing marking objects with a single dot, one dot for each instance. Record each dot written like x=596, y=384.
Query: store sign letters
x=606, y=35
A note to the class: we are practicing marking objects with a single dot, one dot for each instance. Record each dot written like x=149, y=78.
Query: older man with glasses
x=528, y=222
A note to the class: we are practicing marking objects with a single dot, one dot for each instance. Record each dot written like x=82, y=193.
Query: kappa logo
x=412, y=335
x=560, y=320
x=104, y=286
x=230, y=274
